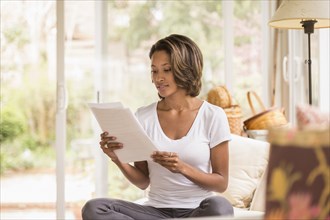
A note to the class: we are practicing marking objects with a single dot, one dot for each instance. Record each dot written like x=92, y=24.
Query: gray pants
x=114, y=209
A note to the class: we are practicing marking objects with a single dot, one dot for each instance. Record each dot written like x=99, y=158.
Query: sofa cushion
x=240, y=213
x=248, y=159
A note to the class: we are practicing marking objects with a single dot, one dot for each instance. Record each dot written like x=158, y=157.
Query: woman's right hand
x=109, y=144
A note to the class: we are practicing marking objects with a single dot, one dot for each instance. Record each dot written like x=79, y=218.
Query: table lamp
x=303, y=14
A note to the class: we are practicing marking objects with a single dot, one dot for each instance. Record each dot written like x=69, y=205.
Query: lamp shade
x=291, y=12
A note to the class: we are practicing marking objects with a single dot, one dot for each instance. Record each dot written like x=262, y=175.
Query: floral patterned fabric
x=298, y=181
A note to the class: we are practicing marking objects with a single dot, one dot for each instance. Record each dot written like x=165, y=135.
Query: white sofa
x=248, y=160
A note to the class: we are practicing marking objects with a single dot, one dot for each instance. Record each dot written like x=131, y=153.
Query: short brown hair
x=186, y=61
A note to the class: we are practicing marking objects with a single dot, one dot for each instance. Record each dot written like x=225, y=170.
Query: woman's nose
x=159, y=78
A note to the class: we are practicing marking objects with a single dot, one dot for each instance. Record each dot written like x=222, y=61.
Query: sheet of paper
x=122, y=123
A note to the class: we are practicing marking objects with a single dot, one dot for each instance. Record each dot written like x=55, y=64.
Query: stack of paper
x=121, y=123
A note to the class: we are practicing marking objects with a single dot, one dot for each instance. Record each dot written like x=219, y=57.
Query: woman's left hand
x=169, y=160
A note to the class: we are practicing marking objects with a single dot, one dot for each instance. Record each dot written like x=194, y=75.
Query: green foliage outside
x=20, y=148
x=11, y=124
x=201, y=20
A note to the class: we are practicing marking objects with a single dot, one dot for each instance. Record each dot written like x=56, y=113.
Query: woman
x=191, y=135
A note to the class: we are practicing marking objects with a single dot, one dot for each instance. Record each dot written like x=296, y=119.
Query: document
x=120, y=122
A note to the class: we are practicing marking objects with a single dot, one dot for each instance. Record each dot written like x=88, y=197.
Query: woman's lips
x=161, y=87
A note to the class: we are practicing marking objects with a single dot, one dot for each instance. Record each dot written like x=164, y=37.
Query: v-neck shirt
x=172, y=190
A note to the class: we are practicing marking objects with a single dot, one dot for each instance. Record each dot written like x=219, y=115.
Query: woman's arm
x=216, y=181
x=137, y=174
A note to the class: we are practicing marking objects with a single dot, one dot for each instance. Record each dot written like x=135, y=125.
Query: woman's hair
x=186, y=61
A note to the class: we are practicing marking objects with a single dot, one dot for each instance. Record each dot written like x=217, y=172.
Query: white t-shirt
x=173, y=190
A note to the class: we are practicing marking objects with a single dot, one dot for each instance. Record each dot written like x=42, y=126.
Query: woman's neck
x=180, y=103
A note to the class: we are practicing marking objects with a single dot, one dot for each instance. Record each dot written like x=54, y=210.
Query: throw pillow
x=248, y=159
x=311, y=117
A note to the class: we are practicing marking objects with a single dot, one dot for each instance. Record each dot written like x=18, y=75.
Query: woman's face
x=162, y=75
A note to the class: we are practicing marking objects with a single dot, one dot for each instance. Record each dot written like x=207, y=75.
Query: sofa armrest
x=259, y=198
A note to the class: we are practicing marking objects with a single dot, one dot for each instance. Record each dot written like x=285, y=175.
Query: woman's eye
x=153, y=71
x=167, y=70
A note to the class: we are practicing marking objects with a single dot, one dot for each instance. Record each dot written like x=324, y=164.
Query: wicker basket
x=234, y=115
x=219, y=96
x=266, y=119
